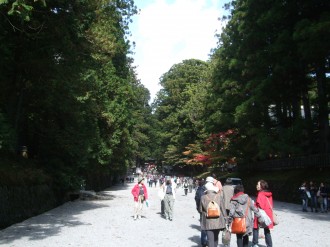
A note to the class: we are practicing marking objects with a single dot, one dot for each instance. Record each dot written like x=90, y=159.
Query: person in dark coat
x=324, y=198
x=198, y=195
x=303, y=195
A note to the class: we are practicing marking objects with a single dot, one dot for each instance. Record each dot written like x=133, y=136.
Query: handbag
x=238, y=225
x=161, y=194
x=226, y=236
x=275, y=218
x=264, y=219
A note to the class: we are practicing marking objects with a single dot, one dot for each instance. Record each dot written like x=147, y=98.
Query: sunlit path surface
x=110, y=223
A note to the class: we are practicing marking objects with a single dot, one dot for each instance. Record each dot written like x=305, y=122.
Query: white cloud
x=167, y=33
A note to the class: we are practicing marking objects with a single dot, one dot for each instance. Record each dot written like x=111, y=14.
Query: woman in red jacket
x=264, y=201
x=140, y=195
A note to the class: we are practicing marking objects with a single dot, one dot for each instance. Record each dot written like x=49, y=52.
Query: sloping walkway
x=110, y=223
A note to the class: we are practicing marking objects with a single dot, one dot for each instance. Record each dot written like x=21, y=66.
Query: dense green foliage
x=180, y=106
x=270, y=75
x=269, y=82
x=68, y=90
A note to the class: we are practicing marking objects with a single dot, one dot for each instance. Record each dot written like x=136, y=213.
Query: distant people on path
x=313, y=192
x=303, y=195
x=323, y=198
x=169, y=198
x=149, y=180
x=140, y=194
x=190, y=184
x=264, y=201
x=185, y=186
x=228, y=192
x=198, y=195
x=161, y=195
x=241, y=205
x=212, y=226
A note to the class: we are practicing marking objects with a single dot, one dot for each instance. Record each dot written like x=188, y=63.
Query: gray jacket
x=212, y=223
x=228, y=192
x=238, y=205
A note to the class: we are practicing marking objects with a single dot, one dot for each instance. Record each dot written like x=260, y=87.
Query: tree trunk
x=323, y=108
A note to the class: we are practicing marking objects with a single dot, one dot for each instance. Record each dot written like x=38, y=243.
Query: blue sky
x=169, y=31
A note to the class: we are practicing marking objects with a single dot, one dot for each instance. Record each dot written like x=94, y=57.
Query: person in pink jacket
x=264, y=201
x=140, y=194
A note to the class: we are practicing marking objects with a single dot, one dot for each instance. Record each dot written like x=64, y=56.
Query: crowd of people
x=232, y=203
x=314, y=196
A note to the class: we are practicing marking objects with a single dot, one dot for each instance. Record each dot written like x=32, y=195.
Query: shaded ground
x=110, y=223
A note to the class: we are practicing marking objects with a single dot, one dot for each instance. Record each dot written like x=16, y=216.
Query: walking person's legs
x=162, y=207
x=136, y=205
x=325, y=202
x=171, y=207
x=246, y=241
x=139, y=207
x=239, y=240
x=304, y=204
x=268, y=237
x=212, y=237
x=216, y=237
x=255, y=237
x=314, y=198
x=166, y=206
x=312, y=206
x=203, y=238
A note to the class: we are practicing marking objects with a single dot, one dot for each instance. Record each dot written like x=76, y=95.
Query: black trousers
x=242, y=241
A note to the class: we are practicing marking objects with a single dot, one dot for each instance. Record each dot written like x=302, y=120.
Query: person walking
x=303, y=196
x=324, y=198
x=212, y=226
x=228, y=192
x=190, y=184
x=313, y=191
x=140, y=194
x=169, y=198
x=198, y=195
x=241, y=205
x=264, y=201
x=185, y=187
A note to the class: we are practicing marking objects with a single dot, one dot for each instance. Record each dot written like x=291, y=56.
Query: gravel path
x=109, y=223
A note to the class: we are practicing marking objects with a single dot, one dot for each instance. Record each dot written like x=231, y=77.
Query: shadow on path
x=296, y=209
x=50, y=223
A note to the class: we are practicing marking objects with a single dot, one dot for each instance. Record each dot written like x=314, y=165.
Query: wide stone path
x=110, y=223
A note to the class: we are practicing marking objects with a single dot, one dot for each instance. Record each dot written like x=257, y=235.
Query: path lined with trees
x=74, y=114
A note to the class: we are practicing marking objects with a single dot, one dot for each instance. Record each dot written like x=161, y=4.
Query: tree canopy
x=70, y=97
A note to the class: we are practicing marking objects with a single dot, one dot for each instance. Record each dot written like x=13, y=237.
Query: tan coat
x=212, y=223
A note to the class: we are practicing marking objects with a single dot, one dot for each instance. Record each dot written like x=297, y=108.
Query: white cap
x=209, y=179
x=210, y=186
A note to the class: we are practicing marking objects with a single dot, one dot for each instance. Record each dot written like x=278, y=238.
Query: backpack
x=212, y=209
x=168, y=189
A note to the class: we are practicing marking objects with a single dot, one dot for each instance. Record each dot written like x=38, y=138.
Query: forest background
x=74, y=114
